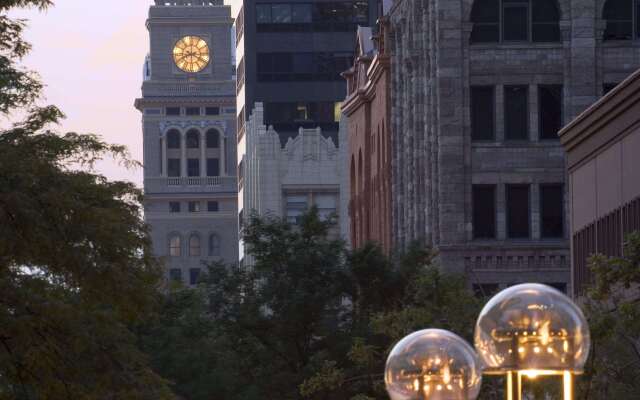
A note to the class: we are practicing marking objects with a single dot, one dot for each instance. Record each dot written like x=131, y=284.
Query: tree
x=308, y=319
x=612, y=307
x=76, y=271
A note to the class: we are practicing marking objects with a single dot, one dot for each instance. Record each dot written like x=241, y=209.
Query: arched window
x=213, y=139
x=173, y=139
x=619, y=15
x=175, y=248
x=214, y=245
x=515, y=21
x=194, y=246
x=193, y=139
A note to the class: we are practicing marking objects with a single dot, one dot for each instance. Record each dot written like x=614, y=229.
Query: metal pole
x=514, y=386
x=567, y=385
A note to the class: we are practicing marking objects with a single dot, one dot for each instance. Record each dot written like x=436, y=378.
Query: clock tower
x=189, y=133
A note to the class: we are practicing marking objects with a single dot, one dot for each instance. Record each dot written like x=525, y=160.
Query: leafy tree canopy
x=76, y=274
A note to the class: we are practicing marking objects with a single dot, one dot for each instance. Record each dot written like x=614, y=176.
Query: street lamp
x=532, y=330
x=433, y=364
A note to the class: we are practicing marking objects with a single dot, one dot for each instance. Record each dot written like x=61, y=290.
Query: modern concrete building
x=480, y=89
x=367, y=109
x=603, y=154
x=286, y=181
x=189, y=130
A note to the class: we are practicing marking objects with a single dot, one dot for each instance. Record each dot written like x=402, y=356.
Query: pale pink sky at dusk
x=89, y=54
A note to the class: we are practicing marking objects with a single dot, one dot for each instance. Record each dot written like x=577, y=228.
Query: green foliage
x=308, y=320
x=612, y=307
x=76, y=271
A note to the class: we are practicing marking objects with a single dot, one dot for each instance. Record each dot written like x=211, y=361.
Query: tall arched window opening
x=173, y=139
x=515, y=21
x=213, y=139
x=193, y=139
x=194, y=246
x=175, y=246
x=622, y=17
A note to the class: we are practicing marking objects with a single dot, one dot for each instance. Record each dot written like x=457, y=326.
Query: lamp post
x=532, y=330
x=433, y=364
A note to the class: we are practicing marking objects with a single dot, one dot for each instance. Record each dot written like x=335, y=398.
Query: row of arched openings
x=539, y=20
x=192, y=139
x=194, y=245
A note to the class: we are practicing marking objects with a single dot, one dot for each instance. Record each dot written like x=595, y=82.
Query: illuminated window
x=175, y=246
x=337, y=111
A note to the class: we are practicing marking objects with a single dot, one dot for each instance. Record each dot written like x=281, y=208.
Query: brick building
x=480, y=89
x=602, y=146
x=367, y=109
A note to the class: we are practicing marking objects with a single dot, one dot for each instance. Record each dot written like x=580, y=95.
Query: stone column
x=183, y=154
x=223, y=155
x=163, y=151
x=203, y=155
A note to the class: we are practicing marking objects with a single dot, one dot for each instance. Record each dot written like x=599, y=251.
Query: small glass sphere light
x=433, y=364
x=532, y=330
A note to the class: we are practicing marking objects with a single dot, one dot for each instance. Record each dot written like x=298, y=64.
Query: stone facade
x=435, y=162
x=189, y=131
x=368, y=110
x=283, y=182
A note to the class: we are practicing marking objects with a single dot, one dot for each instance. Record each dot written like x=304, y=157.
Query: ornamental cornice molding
x=183, y=126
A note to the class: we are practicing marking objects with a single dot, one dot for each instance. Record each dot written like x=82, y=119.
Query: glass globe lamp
x=532, y=330
x=433, y=364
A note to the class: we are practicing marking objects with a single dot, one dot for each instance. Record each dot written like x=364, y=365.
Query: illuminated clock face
x=191, y=54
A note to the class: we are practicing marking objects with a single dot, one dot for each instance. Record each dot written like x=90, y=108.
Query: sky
x=89, y=54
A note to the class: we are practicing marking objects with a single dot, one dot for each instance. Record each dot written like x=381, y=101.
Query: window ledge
x=516, y=45
x=621, y=43
x=517, y=144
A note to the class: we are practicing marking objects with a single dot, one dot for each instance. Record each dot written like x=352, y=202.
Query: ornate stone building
x=286, y=181
x=368, y=110
x=480, y=90
x=189, y=131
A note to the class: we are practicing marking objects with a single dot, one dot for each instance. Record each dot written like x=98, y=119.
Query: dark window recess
x=484, y=211
x=173, y=139
x=213, y=206
x=619, y=17
x=486, y=21
x=515, y=20
x=517, y=211
x=193, y=111
x=482, y=113
x=193, y=140
x=212, y=111
x=175, y=275
x=485, y=289
x=307, y=17
x=213, y=167
x=283, y=67
x=549, y=111
x=515, y=16
x=561, y=286
x=194, y=206
x=172, y=111
x=607, y=87
x=173, y=165
x=213, y=139
x=516, y=113
x=174, y=206
x=193, y=167
x=551, y=211
x=545, y=19
x=194, y=275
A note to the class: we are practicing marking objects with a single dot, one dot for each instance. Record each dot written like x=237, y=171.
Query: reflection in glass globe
x=433, y=364
x=532, y=328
